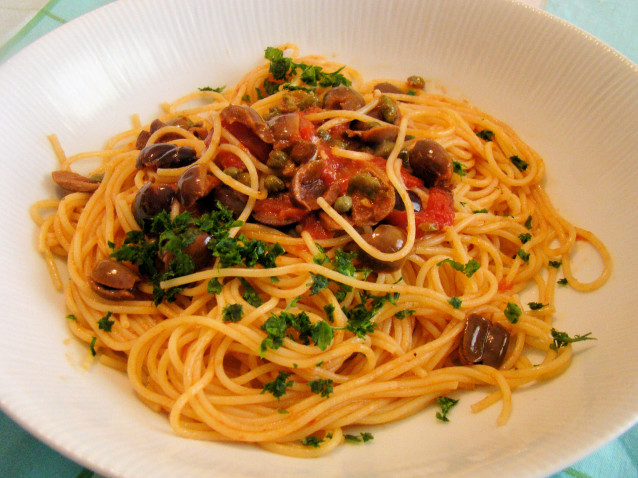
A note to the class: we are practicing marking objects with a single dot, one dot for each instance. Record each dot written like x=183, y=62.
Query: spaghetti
x=308, y=251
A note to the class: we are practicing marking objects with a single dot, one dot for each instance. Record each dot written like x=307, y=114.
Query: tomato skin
x=439, y=212
x=409, y=180
x=280, y=210
x=312, y=224
x=504, y=286
x=306, y=129
x=225, y=159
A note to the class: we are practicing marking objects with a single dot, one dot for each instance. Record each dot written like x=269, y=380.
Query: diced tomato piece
x=312, y=224
x=439, y=212
x=504, y=286
x=278, y=211
x=409, y=180
x=306, y=129
x=225, y=159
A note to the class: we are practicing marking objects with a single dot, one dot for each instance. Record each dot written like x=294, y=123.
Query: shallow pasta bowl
x=570, y=97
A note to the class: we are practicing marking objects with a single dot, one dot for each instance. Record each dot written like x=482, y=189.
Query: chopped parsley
x=528, y=222
x=279, y=385
x=468, y=269
x=360, y=316
x=458, y=168
x=455, y=302
x=321, y=387
x=446, y=405
x=282, y=69
x=232, y=313
x=512, y=312
x=71, y=317
x=525, y=237
x=214, y=286
x=219, y=89
x=319, y=282
x=105, y=323
x=519, y=163
x=480, y=211
x=166, y=237
x=362, y=437
x=536, y=305
x=246, y=98
x=485, y=134
x=312, y=441
x=250, y=294
x=329, y=309
x=562, y=339
x=562, y=281
x=92, y=345
x=402, y=314
x=277, y=327
x=555, y=264
x=523, y=254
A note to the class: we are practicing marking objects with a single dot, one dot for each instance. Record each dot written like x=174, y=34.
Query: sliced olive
x=249, y=128
x=343, y=98
x=307, y=186
x=150, y=201
x=285, y=129
x=483, y=342
x=387, y=239
x=372, y=196
x=193, y=184
x=431, y=163
x=473, y=340
x=74, y=182
x=388, y=88
x=113, y=280
x=414, y=198
x=166, y=155
x=303, y=151
x=496, y=345
x=233, y=200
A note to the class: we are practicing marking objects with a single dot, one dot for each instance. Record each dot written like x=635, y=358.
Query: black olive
x=431, y=163
x=150, y=201
x=166, y=155
x=343, y=98
x=113, y=280
x=414, y=198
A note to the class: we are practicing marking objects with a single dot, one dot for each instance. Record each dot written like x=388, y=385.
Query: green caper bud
x=388, y=109
x=416, y=81
x=96, y=178
x=232, y=172
x=404, y=156
x=244, y=178
x=277, y=159
x=384, y=149
x=339, y=143
x=343, y=204
x=365, y=183
x=306, y=100
x=273, y=184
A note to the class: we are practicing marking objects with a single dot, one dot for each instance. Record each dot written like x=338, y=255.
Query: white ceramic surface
x=574, y=99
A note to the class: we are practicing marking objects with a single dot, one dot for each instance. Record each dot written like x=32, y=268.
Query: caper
x=96, y=178
x=340, y=143
x=343, y=204
x=277, y=159
x=416, y=81
x=384, y=149
x=404, y=156
x=388, y=109
x=244, y=178
x=365, y=183
x=273, y=184
x=232, y=172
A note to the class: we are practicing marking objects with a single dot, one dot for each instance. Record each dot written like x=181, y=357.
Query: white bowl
x=572, y=98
